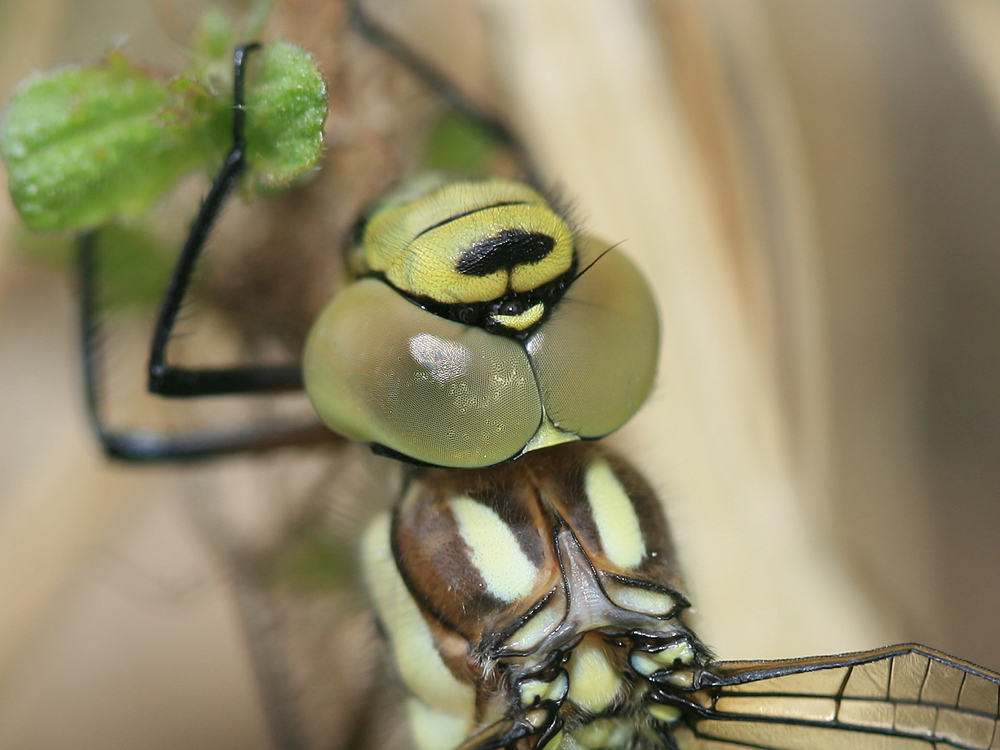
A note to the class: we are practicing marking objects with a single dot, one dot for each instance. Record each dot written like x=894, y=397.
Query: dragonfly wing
x=903, y=697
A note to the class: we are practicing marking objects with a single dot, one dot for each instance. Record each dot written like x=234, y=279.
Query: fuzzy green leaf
x=286, y=109
x=82, y=145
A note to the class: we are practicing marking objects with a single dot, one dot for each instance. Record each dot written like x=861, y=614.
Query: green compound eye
x=595, y=358
x=570, y=361
x=381, y=370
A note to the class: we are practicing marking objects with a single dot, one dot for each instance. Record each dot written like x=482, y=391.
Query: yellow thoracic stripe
x=593, y=680
x=494, y=550
x=615, y=517
x=580, y=641
x=503, y=569
x=414, y=648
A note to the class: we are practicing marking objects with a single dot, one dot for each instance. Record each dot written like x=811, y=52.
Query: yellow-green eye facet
x=379, y=369
x=595, y=358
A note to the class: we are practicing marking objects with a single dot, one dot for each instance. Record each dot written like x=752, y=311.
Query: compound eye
x=595, y=359
x=379, y=369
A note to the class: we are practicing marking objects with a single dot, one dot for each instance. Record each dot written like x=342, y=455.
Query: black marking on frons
x=480, y=314
x=470, y=212
x=505, y=249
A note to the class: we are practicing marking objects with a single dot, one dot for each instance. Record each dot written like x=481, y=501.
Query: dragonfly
x=530, y=595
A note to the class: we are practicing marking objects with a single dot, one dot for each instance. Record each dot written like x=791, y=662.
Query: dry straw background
x=814, y=190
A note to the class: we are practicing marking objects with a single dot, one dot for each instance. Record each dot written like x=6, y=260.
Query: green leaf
x=286, y=109
x=84, y=144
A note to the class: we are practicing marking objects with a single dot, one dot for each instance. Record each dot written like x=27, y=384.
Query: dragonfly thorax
x=532, y=604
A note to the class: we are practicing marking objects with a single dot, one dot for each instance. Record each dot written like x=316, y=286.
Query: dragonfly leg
x=144, y=445
x=166, y=380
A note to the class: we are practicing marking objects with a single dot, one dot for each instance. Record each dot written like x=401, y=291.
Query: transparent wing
x=905, y=697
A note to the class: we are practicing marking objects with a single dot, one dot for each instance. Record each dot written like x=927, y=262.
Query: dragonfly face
x=472, y=337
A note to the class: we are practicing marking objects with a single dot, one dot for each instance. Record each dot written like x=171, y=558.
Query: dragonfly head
x=470, y=337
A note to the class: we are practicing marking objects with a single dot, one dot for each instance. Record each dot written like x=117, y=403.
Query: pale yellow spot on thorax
x=508, y=573
x=593, y=680
x=615, y=517
x=417, y=658
x=667, y=714
x=642, y=600
x=529, y=635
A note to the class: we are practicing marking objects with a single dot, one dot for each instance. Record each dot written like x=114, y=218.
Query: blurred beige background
x=814, y=189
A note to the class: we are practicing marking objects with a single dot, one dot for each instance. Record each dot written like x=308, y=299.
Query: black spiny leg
x=167, y=380
x=144, y=445
x=440, y=85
